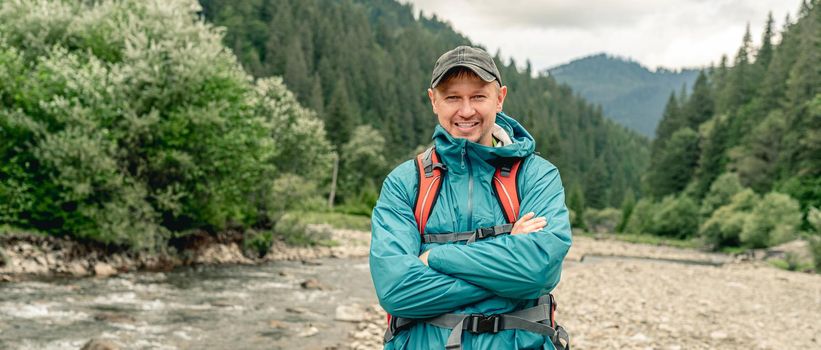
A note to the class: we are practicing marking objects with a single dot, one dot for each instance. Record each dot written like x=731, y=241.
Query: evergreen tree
x=699, y=107
x=675, y=164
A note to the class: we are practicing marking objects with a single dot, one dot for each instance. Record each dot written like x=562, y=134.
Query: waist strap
x=535, y=319
x=469, y=236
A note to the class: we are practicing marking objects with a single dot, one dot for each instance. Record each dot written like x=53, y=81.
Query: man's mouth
x=466, y=125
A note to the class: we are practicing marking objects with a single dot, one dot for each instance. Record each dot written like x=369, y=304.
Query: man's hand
x=526, y=224
x=424, y=257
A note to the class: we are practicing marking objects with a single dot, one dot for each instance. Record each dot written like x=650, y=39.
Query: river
x=215, y=307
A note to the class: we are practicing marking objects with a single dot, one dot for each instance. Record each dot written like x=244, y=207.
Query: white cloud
x=669, y=33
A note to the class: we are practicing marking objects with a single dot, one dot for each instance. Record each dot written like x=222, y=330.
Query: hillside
x=369, y=61
x=629, y=93
x=745, y=144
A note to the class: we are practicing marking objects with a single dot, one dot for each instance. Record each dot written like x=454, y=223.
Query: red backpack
x=430, y=172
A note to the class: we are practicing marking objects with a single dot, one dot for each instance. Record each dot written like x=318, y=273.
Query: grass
x=649, y=239
x=733, y=250
x=790, y=265
x=292, y=227
x=335, y=219
x=6, y=229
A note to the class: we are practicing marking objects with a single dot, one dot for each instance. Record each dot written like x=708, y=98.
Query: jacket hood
x=450, y=148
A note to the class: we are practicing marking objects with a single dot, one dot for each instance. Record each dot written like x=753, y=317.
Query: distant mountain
x=629, y=93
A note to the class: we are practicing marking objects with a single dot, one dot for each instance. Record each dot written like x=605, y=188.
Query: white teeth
x=466, y=125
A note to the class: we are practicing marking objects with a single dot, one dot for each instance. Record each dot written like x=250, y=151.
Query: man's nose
x=466, y=109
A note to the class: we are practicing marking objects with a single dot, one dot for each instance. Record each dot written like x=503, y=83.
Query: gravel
x=618, y=302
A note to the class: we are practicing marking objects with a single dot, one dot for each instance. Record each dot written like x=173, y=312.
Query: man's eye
x=479, y=97
x=452, y=98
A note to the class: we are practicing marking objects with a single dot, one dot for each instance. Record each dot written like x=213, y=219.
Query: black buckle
x=484, y=232
x=478, y=323
x=395, y=327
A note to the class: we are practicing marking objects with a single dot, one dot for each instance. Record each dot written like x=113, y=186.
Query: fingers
x=527, y=224
x=526, y=217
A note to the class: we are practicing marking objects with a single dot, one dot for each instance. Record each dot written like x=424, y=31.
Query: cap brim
x=485, y=75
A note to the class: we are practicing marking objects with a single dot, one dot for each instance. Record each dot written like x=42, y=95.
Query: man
x=446, y=293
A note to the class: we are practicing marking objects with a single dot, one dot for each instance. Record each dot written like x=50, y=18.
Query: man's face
x=466, y=107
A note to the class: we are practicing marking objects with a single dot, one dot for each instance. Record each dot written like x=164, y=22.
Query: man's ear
x=431, y=96
x=501, y=98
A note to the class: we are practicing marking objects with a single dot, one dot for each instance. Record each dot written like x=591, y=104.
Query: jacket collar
x=450, y=148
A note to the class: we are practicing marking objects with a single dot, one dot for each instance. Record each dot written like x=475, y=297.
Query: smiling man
x=453, y=262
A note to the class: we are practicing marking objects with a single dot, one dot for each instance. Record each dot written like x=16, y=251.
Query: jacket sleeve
x=522, y=266
x=404, y=285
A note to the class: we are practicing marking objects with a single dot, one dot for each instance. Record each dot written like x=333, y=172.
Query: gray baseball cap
x=475, y=59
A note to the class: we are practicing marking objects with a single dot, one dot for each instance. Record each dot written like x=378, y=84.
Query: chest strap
x=469, y=236
x=538, y=319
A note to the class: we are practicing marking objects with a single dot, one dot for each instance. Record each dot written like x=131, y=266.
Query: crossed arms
x=520, y=266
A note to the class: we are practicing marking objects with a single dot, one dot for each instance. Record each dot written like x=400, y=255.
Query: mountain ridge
x=630, y=93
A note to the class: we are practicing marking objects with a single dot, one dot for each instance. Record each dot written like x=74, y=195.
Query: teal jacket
x=492, y=276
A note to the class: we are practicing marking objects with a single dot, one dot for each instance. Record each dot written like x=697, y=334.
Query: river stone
x=278, y=324
x=313, y=283
x=718, y=335
x=76, y=268
x=104, y=270
x=100, y=344
x=297, y=310
x=308, y=332
x=111, y=317
x=30, y=266
x=350, y=313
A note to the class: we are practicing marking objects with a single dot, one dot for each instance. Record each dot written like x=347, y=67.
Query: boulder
x=100, y=344
x=313, y=283
x=104, y=270
x=308, y=331
x=350, y=313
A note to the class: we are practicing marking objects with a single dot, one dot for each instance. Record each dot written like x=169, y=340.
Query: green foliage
x=336, y=219
x=656, y=240
x=627, y=207
x=641, y=220
x=676, y=217
x=362, y=166
x=814, y=218
x=753, y=221
x=792, y=262
x=256, y=244
x=756, y=160
x=369, y=61
x=758, y=117
x=125, y=121
x=815, y=249
x=673, y=163
x=724, y=226
x=721, y=192
x=294, y=230
x=293, y=192
x=576, y=204
x=774, y=220
x=602, y=221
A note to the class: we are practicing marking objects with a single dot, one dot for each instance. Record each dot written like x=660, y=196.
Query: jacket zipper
x=470, y=189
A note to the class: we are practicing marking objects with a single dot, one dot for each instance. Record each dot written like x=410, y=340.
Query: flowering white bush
x=123, y=121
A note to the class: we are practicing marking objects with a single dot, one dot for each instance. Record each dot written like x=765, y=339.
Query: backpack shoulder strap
x=506, y=187
x=430, y=172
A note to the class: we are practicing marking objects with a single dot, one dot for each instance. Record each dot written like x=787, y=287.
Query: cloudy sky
x=668, y=33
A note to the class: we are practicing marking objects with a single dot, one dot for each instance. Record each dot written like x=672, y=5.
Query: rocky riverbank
x=26, y=255
x=612, y=295
x=617, y=295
